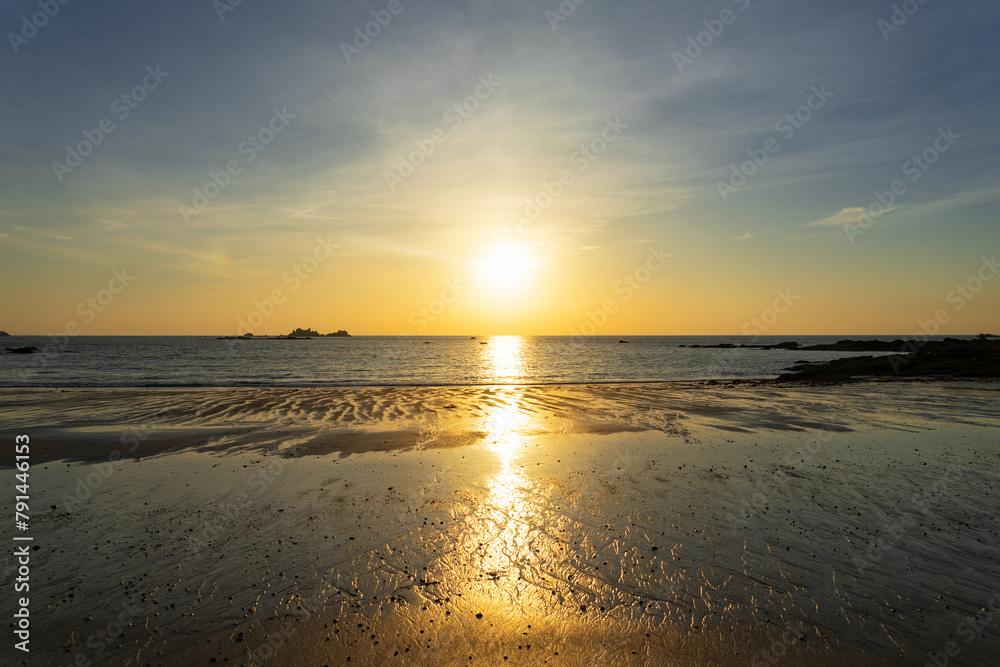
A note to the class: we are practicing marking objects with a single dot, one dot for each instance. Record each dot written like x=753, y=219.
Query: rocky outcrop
x=950, y=358
x=309, y=333
x=304, y=333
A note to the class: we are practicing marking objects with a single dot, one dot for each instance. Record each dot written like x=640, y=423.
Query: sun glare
x=506, y=267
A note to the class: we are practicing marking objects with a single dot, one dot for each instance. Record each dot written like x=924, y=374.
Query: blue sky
x=324, y=174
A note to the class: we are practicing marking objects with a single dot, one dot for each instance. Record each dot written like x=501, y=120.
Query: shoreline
x=756, y=381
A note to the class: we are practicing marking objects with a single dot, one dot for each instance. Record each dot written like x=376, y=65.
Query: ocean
x=196, y=361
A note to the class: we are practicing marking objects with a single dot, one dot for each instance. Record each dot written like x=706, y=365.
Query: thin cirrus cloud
x=847, y=216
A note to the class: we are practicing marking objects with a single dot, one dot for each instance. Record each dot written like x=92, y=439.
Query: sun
x=505, y=267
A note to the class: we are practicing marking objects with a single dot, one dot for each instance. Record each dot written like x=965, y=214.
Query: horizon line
x=507, y=335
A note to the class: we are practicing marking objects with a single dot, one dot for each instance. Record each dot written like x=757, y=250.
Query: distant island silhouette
x=4, y=333
x=298, y=334
x=309, y=333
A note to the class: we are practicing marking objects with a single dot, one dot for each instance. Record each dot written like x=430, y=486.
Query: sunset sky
x=382, y=184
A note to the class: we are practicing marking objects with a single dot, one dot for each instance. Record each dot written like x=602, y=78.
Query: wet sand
x=681, y=524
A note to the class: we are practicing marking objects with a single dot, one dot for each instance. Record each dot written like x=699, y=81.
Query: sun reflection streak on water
x=504, y=358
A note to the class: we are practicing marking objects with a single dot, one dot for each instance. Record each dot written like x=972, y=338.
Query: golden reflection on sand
x=504, y=427
x=505, y=539
x=505, y=421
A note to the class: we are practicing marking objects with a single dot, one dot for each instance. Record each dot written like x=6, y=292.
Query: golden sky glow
x=441, y=182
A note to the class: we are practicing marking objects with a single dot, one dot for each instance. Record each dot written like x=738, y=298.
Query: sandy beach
x=742, y=523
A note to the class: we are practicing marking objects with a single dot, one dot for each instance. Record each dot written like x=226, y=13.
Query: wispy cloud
x=960, y=200
x=846, y=216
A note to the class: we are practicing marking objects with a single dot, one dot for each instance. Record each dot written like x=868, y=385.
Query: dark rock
x=860, y=346
x=950, y=358
x=31, y=349
x=309, y=333
x=4, y=333
x=304, y=333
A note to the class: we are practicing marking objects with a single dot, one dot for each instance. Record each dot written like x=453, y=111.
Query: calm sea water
x=190, y=361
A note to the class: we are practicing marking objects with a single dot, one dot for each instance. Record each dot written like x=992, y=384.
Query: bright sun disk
x=506, y=266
